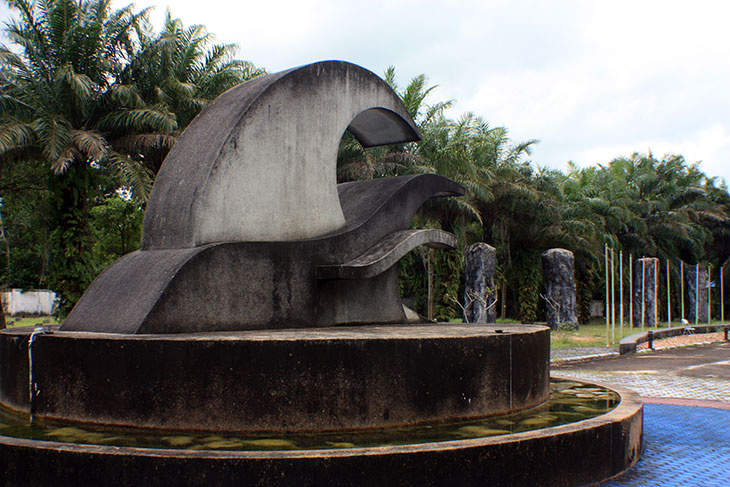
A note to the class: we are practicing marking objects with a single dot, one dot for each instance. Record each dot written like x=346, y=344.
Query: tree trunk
x=2, y=314
x=42, y=280
x=7, y=251
x=71, y=265
x=430, y=262
x=503, y=313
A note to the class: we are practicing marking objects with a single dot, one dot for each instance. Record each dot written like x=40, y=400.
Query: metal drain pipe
x=32, y=389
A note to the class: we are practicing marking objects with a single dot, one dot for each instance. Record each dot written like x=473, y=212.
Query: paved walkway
x=696, y=372
x=570, y=354
x=683, y=446
x=686, y=391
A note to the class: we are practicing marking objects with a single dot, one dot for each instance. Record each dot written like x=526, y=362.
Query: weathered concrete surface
x=480, y=293
x=387, y=253
x=256, y=285
x=560, y=308
x=245, y=222
x=282, y=380
x=697, y=284
x=645, y=275
x=258, y=164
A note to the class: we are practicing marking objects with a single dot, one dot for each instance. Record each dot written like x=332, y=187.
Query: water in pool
x=569, y=402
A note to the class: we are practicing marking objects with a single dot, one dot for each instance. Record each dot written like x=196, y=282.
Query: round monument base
x=322, y=379
x=581, y=453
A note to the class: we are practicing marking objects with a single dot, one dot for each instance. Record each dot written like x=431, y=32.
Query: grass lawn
x=13, y=321
x=590, y=335
x=594, y=334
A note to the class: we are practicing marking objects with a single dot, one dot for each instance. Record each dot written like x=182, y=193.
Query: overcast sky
x=591, y=80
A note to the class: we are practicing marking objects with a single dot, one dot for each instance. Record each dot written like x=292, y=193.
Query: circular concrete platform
x=322, y=379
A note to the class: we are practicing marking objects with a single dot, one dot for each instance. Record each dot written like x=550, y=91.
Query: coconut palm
x=181, y=71
x=62, y=96
x=80, y=100
x=356, y=163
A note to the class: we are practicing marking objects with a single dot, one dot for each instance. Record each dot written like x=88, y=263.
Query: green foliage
x=117, y=227
x=93, y=99
x=413, y=281
x=529, y=283
x=72, y=264
x=586, y=283
x=449, y=284
x=24, y=211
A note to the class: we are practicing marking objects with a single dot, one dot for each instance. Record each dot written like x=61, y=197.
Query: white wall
x=597, y=308
x=35, y=302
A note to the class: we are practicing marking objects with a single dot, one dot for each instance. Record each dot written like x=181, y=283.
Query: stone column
x=646, y=273
x=480, y=294
x=557, y=265
x=697, y=284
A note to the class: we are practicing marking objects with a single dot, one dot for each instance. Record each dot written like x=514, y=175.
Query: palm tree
x=62, y=95
x=61, y=98
x=181, y=71
x=647, y=207
x=98, y=99
x=356, y=163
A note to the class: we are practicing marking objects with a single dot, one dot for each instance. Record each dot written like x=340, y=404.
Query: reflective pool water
x=569, y=402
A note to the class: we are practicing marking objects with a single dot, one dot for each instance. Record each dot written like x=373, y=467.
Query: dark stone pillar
x=646, y=273
x=697, y=297
x=480, y=294
x=560, y=307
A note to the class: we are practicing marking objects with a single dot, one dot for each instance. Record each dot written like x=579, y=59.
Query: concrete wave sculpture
x=246, y=227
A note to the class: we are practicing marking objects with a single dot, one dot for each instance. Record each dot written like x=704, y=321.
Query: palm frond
x=131, y=173
x=91, y=144
x=139, y=120
x=16, y=136
x=54, y=133
x=139, y=143
x=80, y=85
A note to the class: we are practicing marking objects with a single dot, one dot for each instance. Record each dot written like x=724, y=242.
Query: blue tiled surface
x=683, y=445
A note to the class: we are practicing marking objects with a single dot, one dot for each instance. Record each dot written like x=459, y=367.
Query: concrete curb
x=628, y=345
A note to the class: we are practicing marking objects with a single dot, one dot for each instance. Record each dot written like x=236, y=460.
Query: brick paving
x=650, y=384
x=686, y=410
x=683, y=446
